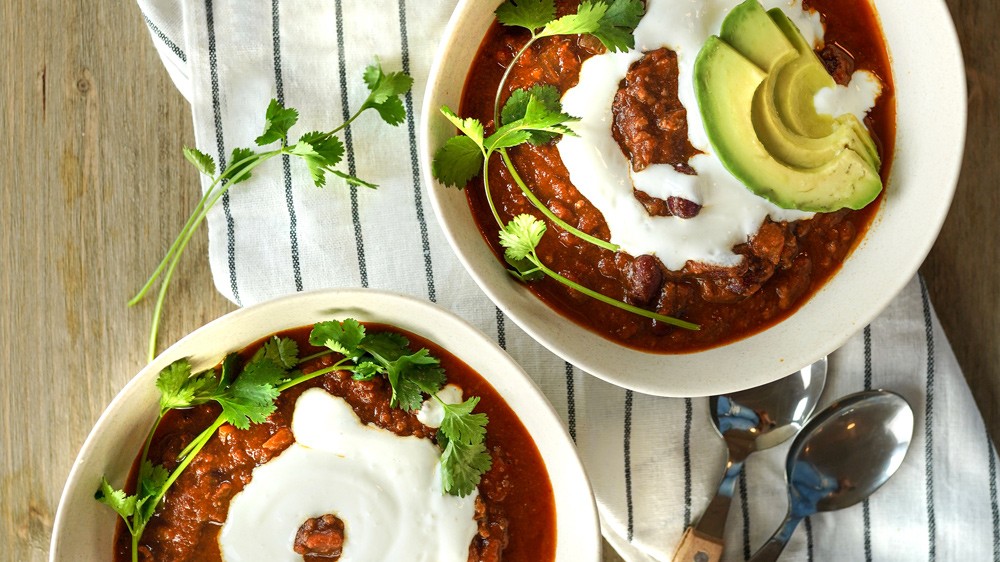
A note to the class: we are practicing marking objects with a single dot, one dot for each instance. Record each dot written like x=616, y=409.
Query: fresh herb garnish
x=411, y=375
x=247, y=396
x=520, y=239
x=462, y=436
x=535, y=116
x=320, y=151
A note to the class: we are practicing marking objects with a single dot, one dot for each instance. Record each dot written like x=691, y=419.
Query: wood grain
x=92, y=194
x=94, y=190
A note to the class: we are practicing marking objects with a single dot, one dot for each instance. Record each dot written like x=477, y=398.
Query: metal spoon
x=841, y=457
x=750, y=420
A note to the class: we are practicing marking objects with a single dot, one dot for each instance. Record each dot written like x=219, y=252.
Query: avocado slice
x=801, y=151
x=846, y=180
x=765, y=128
x=794, y=102
x=798, y=82
x=749, y=30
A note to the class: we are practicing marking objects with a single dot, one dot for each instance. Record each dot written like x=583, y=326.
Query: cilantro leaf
x=251, y=396
x=428, y=378
x=548, y=107
x=541, y=114
x=202, y=161
x=172, y=382
x=615, y=29
x=462, y=467
x=406, y=395
x=240, y=160
x=517, y=104
x=469, y=126
x=460, y=424
x=388, y=346
x=367, y=370
x=457, y=161
x=408, y=379
x=341, y=337
x=230, y=368
x=278, y=120
x=283, y=352
x=117, y=500
x=537, y=119
x=151, y=479
x=385, y=90
x=529, y=14
x=521, y=236
x=508, y=136
x=587, y=19
x=462, y=435
x=321, y=152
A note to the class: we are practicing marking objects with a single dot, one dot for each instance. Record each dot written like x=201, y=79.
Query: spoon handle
x=774, y=545
x=703, y=542
x=696, y=547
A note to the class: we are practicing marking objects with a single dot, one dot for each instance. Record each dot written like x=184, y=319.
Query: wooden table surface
x=94, y=188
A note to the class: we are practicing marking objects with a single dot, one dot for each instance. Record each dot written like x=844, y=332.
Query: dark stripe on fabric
x=279, y=88
x=866, y=505
x=570, y=401
x=628, y=462
x=359, y=239
x=809, y=539
x=868, y=357
x=688, y=417
x=929, y=427
x=166, y=40
x=414, y=162
x=220, y=145
x=991, y=451
x=501, y=330
x=745, y=508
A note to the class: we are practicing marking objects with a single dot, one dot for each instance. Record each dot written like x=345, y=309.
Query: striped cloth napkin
x=654, y=462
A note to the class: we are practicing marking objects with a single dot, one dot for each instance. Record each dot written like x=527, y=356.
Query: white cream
x=385, y=488
x=431, y=413
x=857, y=97
x=730, y=212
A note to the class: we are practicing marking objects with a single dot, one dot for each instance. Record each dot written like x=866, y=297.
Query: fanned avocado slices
x=755, y=85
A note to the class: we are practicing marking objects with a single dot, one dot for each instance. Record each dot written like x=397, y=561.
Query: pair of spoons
x=839, y=458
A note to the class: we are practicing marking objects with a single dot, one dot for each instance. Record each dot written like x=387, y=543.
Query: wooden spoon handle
x=696, y=547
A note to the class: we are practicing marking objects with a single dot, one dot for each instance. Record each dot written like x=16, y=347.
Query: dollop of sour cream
x=385, y=488
x=730, y=213
x=857, y=97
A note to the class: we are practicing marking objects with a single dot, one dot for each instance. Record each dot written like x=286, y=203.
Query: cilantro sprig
x=247, y=396
x=535, y=116
x=520, y=238
x=320, y=151
x=411, y=375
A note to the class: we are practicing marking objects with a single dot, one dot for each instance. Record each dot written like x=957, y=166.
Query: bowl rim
x=737, y=365
x=576, y=507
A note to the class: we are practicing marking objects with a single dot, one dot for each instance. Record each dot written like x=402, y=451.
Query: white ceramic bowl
x=84, y=528
x=930, y=134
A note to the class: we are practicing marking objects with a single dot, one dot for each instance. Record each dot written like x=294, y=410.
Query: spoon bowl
x=841, y=457
x=766, y=416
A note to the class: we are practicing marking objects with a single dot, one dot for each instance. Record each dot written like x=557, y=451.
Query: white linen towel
x=654, y=462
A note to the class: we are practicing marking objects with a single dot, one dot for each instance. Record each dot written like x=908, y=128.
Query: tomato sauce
x=806, y=254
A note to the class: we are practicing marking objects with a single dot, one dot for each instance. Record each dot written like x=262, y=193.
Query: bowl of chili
x=846, y=265
x=541, y=502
